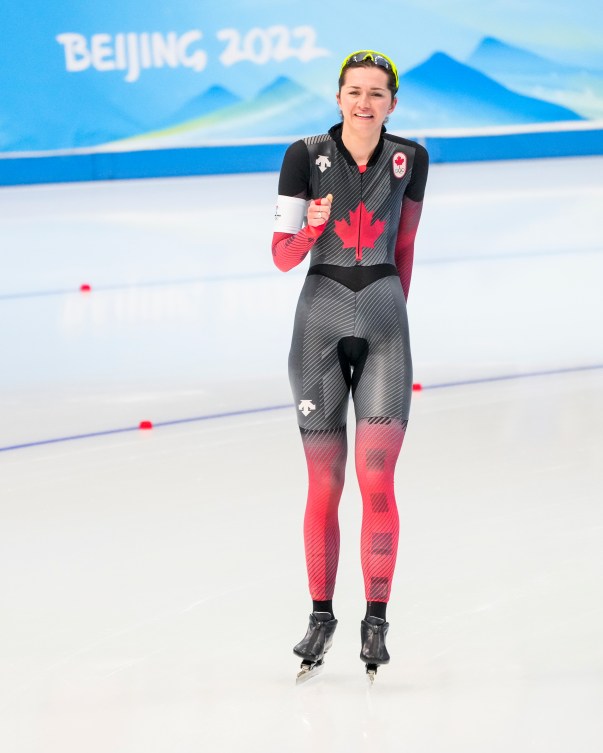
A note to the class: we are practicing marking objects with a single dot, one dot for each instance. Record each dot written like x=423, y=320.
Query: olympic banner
x=142, y=74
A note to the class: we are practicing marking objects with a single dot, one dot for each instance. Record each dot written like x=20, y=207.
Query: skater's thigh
x=325, y=314
x=385, y=385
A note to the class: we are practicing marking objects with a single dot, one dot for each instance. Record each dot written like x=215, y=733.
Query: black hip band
x=354, y=278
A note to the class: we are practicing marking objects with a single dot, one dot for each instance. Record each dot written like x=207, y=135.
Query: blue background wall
x=142, y=87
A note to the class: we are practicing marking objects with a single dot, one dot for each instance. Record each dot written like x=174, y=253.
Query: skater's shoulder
x=421, y=153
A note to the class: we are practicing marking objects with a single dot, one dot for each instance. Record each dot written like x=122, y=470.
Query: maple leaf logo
x=360, y=232
x=399, y=164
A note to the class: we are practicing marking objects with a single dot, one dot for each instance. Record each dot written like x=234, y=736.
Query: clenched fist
x=319, y=211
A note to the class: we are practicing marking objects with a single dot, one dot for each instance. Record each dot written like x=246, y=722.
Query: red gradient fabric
x=326, y=453
x=405, y=241
x=378, y=444
x=290, y=250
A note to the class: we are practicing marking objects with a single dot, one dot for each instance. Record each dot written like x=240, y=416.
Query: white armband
x=290, y=214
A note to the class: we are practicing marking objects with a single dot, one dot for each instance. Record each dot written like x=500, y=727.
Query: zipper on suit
x=359, y=246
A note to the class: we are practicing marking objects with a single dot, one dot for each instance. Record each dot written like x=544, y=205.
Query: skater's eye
x=357, y=92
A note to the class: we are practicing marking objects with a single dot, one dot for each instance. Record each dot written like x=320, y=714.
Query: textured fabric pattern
x=385, y=387
x=375, y=212
x=405, y=242
x=328, y=312
x=380, y=198
x=352, y=337
x=290, y=250
x=326, y=454
x=374, y=319
x=377, y=448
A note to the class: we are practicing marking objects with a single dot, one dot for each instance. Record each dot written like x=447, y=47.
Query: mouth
x=363, y=116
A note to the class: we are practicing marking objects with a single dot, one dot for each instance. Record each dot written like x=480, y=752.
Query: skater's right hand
x=319, y=211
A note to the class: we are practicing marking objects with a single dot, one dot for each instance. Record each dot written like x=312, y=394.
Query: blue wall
x=142, y=88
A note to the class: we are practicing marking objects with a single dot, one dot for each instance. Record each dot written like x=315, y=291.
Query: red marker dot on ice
x=85, y=288
x=417, y=387
x=146, y=425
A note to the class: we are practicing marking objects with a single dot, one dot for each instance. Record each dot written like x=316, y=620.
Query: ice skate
x=313, y=647
x=373, y=631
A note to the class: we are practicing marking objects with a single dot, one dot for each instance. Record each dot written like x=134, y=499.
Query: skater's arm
x=290, y=250
x=405, y=242
x=410, y=217
x=293, y=237
x=291, y=245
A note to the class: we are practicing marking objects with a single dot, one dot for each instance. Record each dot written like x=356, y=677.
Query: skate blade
x=308, y=671
x=371, y=673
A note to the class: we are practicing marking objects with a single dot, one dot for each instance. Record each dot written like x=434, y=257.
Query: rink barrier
x=291, y=406
x=30, y=168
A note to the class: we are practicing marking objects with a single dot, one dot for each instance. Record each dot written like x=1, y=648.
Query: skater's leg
x=382, y=392
x=321, y=396
x=326, y=453
x=376, y=609
x=323, y=605
x=378, y=444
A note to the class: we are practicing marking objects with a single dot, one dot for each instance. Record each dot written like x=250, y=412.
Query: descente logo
x=132, y=52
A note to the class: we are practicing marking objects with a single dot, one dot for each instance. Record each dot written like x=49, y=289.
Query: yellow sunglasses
x=378, y=58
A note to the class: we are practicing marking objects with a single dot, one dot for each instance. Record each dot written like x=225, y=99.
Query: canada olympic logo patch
x=399, y=164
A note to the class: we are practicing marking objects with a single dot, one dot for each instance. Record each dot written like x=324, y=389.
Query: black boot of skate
x=373, y=631
x=315, y=644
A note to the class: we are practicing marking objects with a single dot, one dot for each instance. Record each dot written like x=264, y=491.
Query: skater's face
x=365, y=99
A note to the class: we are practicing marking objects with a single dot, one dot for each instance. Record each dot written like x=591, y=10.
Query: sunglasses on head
x=378, y=58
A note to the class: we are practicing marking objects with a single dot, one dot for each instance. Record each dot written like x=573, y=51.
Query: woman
x=353, y=198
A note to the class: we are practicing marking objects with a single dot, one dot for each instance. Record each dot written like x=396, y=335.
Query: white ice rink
x=153, y=582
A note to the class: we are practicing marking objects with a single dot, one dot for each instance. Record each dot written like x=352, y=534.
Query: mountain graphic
x=42, y=118
x=286, y=108
x=578, y=88
x=444, y=93
x=494, y=55
x=439, y=93
x=283, y=108
x=215, y=98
